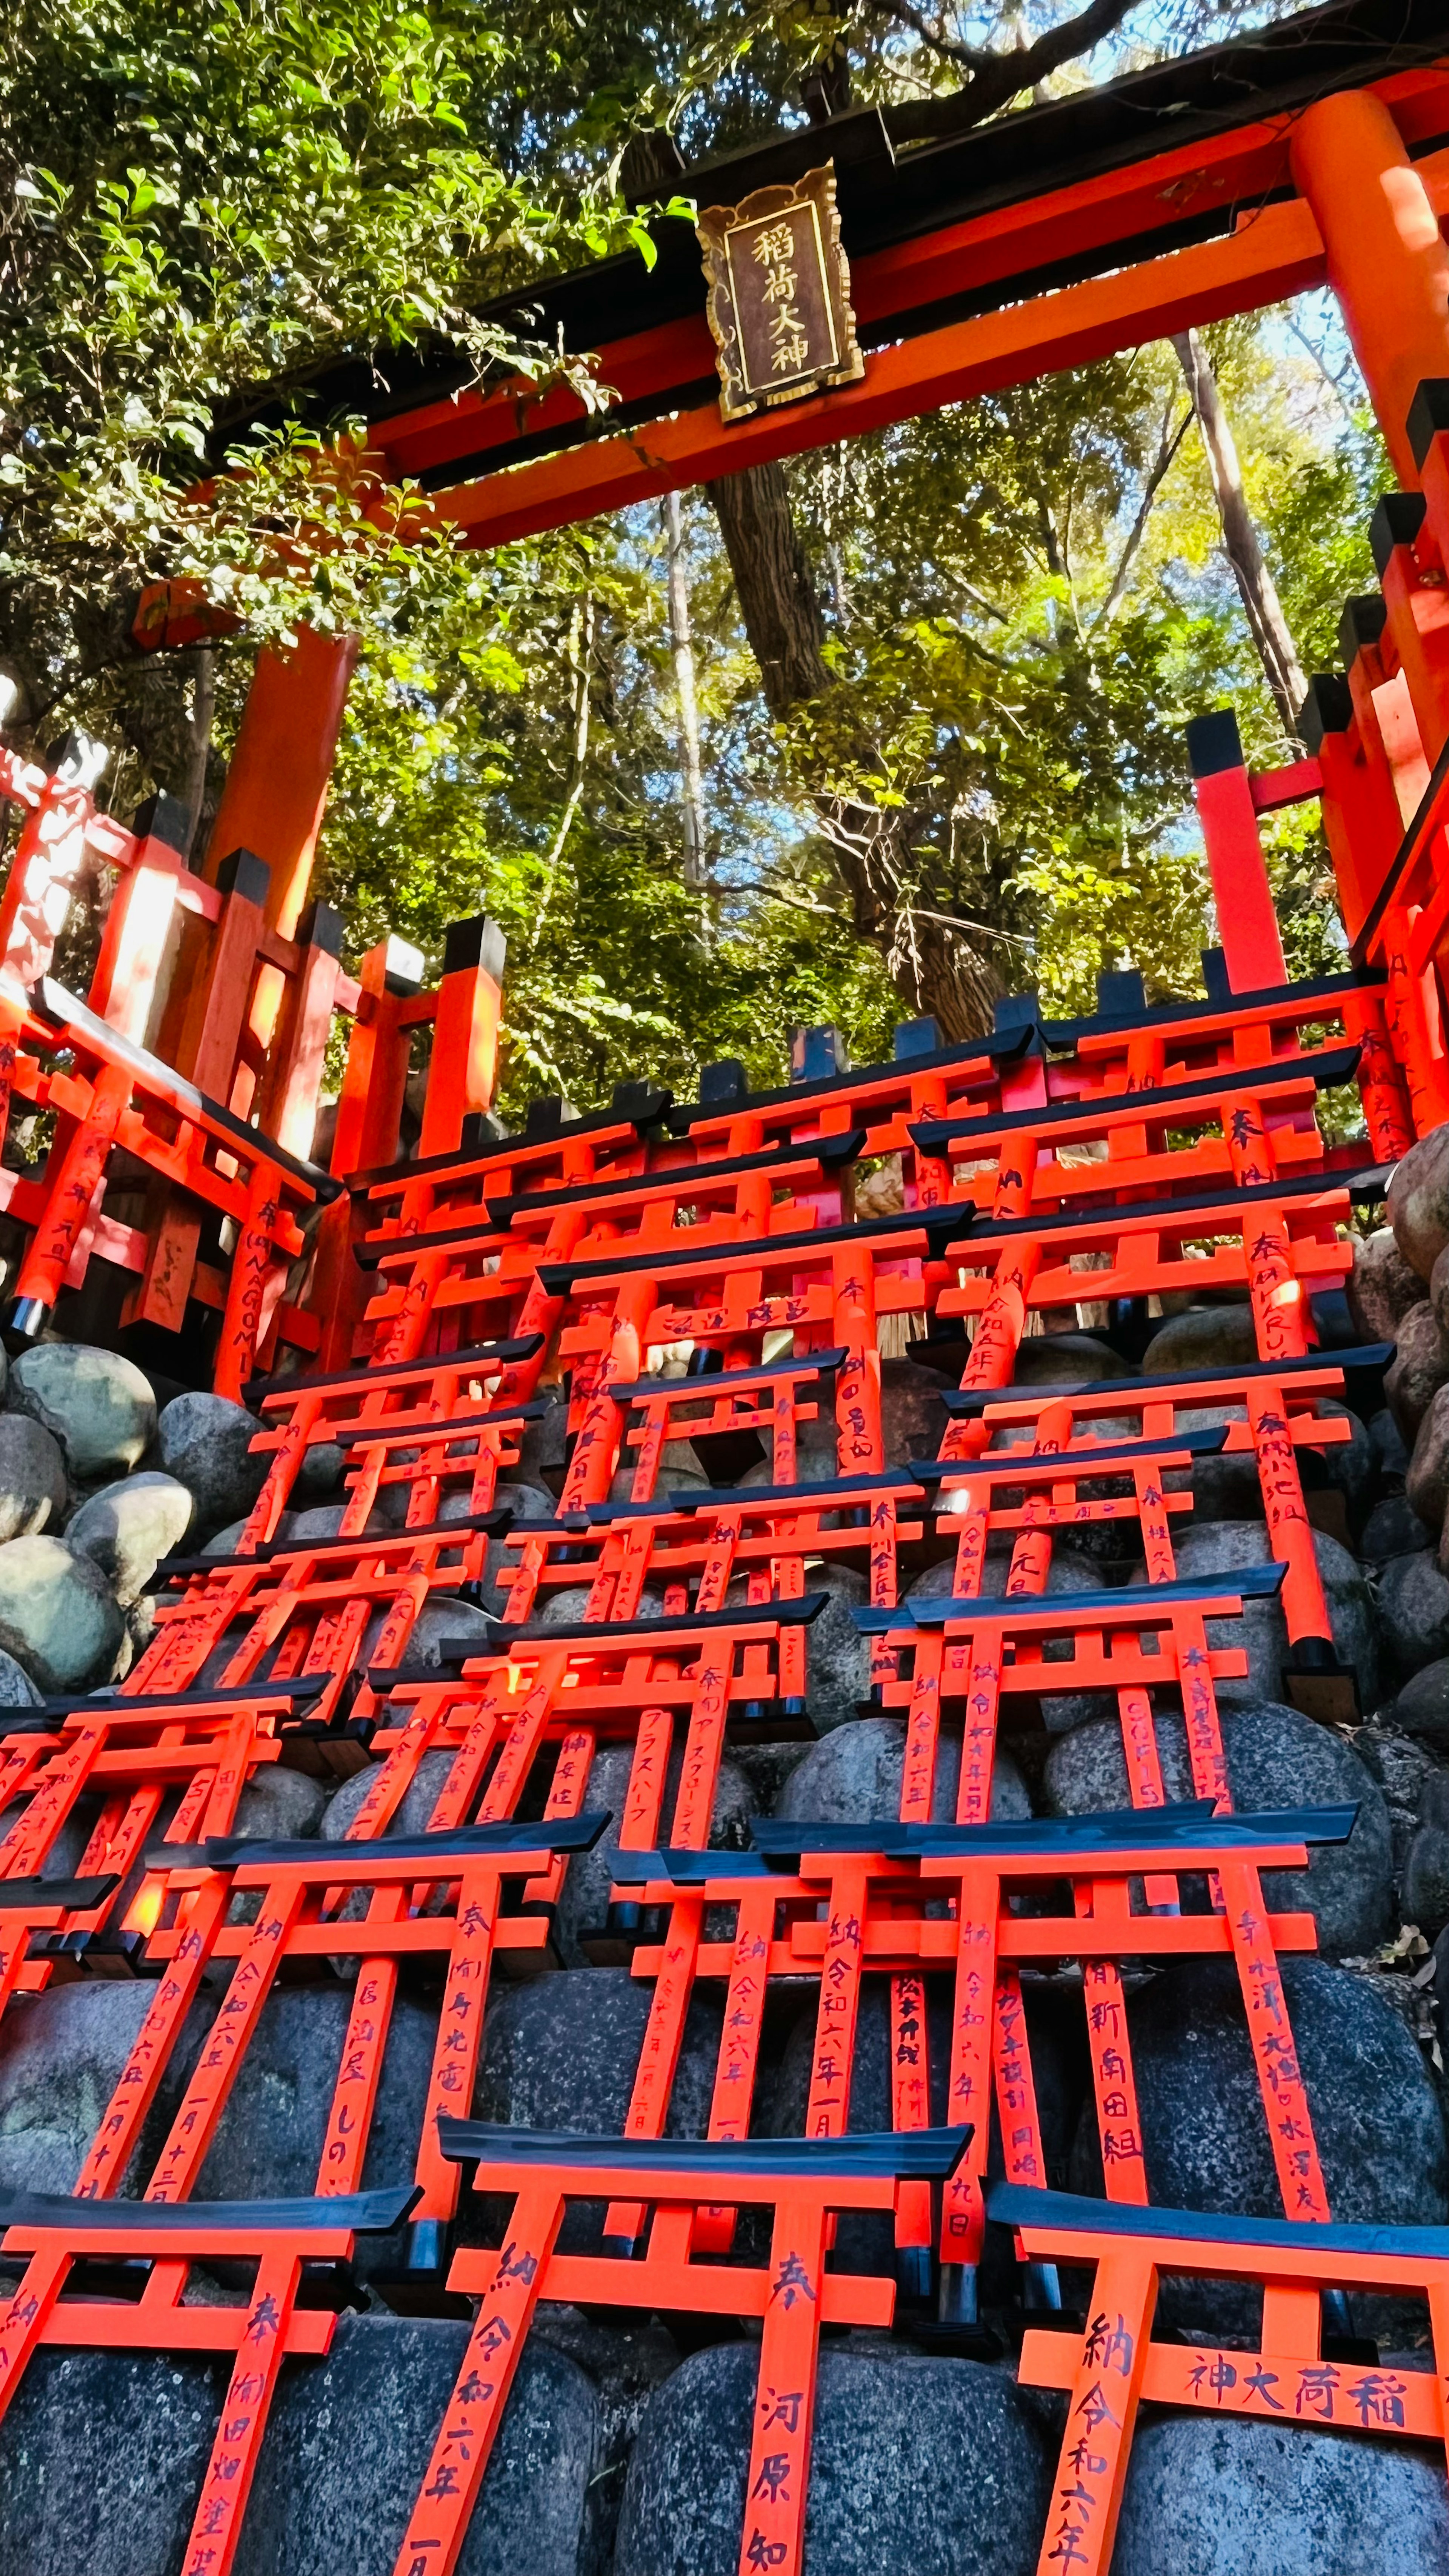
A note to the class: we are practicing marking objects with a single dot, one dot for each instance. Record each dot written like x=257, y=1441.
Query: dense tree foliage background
x=1021, y=600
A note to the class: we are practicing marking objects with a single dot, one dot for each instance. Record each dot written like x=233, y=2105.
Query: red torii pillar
x=1387, y=262
x=277, y=780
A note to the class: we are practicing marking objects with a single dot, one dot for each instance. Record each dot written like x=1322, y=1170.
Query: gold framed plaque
x=779, y=295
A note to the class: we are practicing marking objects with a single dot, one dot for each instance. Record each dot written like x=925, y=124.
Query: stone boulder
x=1422, y=1707
x=566, y=1607
x=1204, y=1337
x=1375, y=2110
x=913, y=1417
x=205, y=1442
x=32, y=1477
x=128, y=1527
x=1233, y=2495
x=347, y=2448
x=17, y=1690
x=889, y=2484
x=104, y=2459
x=1413, y=1612
x=1426, y=1486
x=1418, y=1201
x=1426, y=1863
x=269, y=2141
x=1066, y=1360
x=320, y=1471
x=1276, y=1758
x=414, y=1809
x=1393, y=1528
x=854, y=1777
x=95, y=1403
x=543, y=1450
x=57, y=1615
x=1381, y=1287
x=561, y=2052
x=1419, y=1368
x=440, y=1623
x=1224, y=1548
x=279, y=1805
x=61, y=2058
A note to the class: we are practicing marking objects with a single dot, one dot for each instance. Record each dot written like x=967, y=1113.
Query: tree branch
x=1166, y=450
x=995, y=77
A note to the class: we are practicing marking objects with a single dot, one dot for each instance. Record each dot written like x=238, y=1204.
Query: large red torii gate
x=1316, y=152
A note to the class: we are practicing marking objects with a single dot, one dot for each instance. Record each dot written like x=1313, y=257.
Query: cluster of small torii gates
x=410, y=1311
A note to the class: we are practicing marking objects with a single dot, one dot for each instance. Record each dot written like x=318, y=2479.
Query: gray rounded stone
x=1205, y=1337
x=1066, y=1360
x=1375, y=2110
x=414, y=1809
x=224, y=1542
x=526, y=1502
x=349, y=2440
x=919, y=2465
x=105, y=2456
x=583, y=1906
x=95, y=1403
x=33, y=1491
x=1419, y=1368
x=17, y=1690
x=1223, y=1548
x=1413, y=1612
x=1422, y=1707
x=853, y=1776
x=272, y=2132
x=1426, y=1485
x=62, y=2055
x=1381, y=1287
x=128, y=1527
x=560, y=2052
x=57, y=1615
x=320, y=1471
x=1229, y=2495
x=1426, y=1878
x=1276, y=1758
x=1439, y=1292
x=913, y=1417
x=279, y=1805
x=442, y=1621
x=1393, y=1528
x=566, y=1607
x=837, y=1656
x=542, y=1452
x=103, y=2461
x=205, y=1442
x=1418, y=1201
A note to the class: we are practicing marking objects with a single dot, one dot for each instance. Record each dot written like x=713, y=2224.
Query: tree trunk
x=935, y=966
x=1256, y=587
x=691, y=782
x=198, y=749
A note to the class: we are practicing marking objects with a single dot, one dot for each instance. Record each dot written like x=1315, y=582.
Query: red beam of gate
x=1276, y=251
